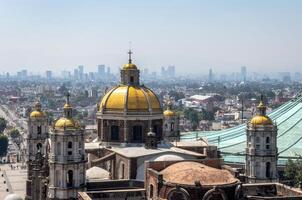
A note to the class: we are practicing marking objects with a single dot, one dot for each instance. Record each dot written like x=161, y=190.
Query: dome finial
x=67, y=97
x=129, y=53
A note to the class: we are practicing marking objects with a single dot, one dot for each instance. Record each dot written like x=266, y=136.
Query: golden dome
x=130, y=99
x=261, y=120
x=169, y=113
x=36, y=114
x=129, y=66
x=66, y=123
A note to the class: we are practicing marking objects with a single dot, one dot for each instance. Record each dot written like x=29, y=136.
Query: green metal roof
x=232, y=141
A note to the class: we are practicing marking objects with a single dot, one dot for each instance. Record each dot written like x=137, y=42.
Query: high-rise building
x=81, y=72
x=76, y=74
x=108, y=71
x=171, y=71
x=243, y=73
x=210, y=76
x=49, y=74
x=101, y=71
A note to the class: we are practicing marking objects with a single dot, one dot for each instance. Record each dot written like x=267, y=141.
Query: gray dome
x=13, y=197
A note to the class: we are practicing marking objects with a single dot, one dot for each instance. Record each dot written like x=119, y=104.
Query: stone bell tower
x=67, y=157
x=36, y=145
x=261, y=149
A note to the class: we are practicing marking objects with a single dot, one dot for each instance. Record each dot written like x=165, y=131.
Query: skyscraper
x=210, y=78
x=81, y=72
x=49, y=74
x=101, y=70
x=243, y=73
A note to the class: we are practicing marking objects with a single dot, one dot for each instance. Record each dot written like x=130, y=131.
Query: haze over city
x=192, y=35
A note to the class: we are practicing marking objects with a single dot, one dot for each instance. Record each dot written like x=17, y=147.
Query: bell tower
x=261, y=147
x=67, y=157
x=36, y=145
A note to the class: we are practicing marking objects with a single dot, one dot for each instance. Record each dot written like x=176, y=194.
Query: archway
x=69, y=178
x=268, y=170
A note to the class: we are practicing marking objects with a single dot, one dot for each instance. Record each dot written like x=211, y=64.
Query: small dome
x=12, y=197
x=188, y=172
x=36, y=114
x=169, y=113
x=130, y=99
x=168, y=157
x=261, y=120
x=66, y=123
x=129, y=66
x=97, y=173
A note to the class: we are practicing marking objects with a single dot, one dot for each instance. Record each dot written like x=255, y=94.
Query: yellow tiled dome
x=66, y=123
x=130, y=99
x=261, y=120
x=129, y=66
x=36, y=114
x=169, y=113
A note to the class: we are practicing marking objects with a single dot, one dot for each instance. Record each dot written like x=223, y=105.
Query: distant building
x=81, y=72
x=243, y=73
x=49, y=74
x=101, y=71
x=210, y=76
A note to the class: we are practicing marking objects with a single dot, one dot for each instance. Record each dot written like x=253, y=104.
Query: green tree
x=14, y=133
x=2, y=124
x=194, y=117
x=3, y=145
x=290, y=170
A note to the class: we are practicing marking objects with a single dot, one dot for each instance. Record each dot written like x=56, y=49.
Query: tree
x=2, y=124
x=14, y=133
x=3, y=145
x=293, y=172
x=194, y=116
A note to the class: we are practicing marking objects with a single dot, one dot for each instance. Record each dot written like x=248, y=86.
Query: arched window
x=179, y=194
x=268, y=170
x=137, y=133
x=58, y=148
x=151, y=191
x=69, y=178
x=69, y=146
x=39, y=130
x=123, y=171
x=172, y=126
x=58, y=178
x=257, y=139
x=267, y=142
x=115, y=133
x=131, y=79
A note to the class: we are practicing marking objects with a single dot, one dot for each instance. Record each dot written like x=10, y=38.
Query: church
x=132, y=129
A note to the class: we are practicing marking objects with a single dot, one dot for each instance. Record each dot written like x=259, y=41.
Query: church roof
x=130, y=99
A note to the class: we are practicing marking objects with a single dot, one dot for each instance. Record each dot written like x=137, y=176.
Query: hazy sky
x=192, y=35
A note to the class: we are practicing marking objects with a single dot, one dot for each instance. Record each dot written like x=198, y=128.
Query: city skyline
x=194, y=36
